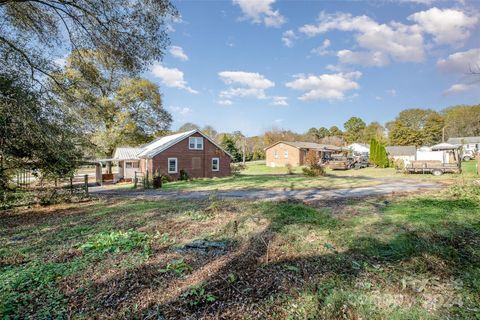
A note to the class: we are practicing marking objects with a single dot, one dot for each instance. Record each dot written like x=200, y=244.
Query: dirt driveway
x=306, y=195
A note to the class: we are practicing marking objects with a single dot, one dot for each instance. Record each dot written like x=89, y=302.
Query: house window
x=275, y=154
x=285, y=154
x=129, y=165
x=195, y=143
x=215, y=164
x=172, y=165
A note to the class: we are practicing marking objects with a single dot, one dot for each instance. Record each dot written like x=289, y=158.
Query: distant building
x=468, y=143
x=192, y=151
x=360, y=149
x=282, y=153
x=405, y=153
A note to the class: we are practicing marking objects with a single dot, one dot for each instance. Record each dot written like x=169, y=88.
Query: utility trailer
x=435, y=167
x=439, y=159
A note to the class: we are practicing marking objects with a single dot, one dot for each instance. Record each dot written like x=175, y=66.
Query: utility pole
x=443, y=134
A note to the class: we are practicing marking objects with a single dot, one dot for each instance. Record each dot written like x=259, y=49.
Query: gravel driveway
x=306, y=195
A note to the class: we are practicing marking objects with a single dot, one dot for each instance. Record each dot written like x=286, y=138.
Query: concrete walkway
x=307, y=195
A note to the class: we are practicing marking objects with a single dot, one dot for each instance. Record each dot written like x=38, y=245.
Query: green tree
x=335, y=131
x=374, y=131
x=133, y=33
x=115, y=109
x=378, y=154
x=462, y=121
x=312, y=134
x=354, y=129
x=188, y=126
x=228, y=143
x=416, y=127
x=31, y=137
x=323, y=132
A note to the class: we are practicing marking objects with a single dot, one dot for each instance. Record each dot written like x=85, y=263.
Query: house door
x=130, y=168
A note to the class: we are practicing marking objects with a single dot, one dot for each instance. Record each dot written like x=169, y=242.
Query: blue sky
x=251, y=65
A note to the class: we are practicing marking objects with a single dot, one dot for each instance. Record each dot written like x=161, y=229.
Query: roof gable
x=155, y=147
x=401, y=150
x=307, y=145
x=126, y=153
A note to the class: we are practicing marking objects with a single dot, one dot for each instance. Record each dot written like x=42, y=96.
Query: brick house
x=282, y=153
x=191, y=151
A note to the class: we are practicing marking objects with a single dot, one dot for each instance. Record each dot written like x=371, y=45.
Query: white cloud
x=365, y=58
x=177, y=52
x=279, y=101
x=447, y=26
x=171, y=77
x=288, y=37
x=247, y=84
x=180, y=110
x=325, y=86
x=396, y=40
x=322, y=49
x=260, y=11
x=460, y=62
x=225, y=102
x=461, y=87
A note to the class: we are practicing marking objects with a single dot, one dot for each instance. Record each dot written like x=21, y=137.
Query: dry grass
x=389, y=258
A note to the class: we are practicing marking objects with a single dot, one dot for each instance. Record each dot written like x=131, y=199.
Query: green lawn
x=390, y=258
x=258, y=176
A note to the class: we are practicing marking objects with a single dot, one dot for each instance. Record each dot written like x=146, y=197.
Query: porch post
x=98, y=173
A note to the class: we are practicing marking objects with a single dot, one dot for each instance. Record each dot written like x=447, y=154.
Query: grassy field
x=392, y=258
x=258, y=176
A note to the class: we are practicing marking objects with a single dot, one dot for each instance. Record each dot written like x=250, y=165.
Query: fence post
x=135, y=180
x=71, y=186
x=86, y=184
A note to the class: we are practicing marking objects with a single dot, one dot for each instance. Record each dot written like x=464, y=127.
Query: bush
x=314, y=168
x=289, y=168
x=184, y=175
x=237, y=167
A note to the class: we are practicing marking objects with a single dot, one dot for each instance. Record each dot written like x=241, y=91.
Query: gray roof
x=126, y=153
x=462, y=140
x=153, y=148
x=309, y=145
x=401, y=150
x=445, y=146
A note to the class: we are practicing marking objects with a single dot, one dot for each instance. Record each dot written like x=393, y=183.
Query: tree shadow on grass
x=250, y=283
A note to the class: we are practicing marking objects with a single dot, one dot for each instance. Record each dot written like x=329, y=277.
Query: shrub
x=237, y=167
x=289, y=168
x=184, y=175
x=314, y=168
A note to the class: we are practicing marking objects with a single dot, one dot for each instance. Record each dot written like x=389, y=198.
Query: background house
x=284, y=152
x=466, y=142
x=405, y=153
x=191, y=151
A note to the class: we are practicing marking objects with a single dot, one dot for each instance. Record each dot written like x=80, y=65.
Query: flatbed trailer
x=435, y=167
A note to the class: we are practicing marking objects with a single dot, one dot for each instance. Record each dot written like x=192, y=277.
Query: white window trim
x=275, y=154
x=195, y=143
x=176, y=165
x=218, y=164
x=285, y=154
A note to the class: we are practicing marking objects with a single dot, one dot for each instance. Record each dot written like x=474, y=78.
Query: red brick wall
x=184, y=160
